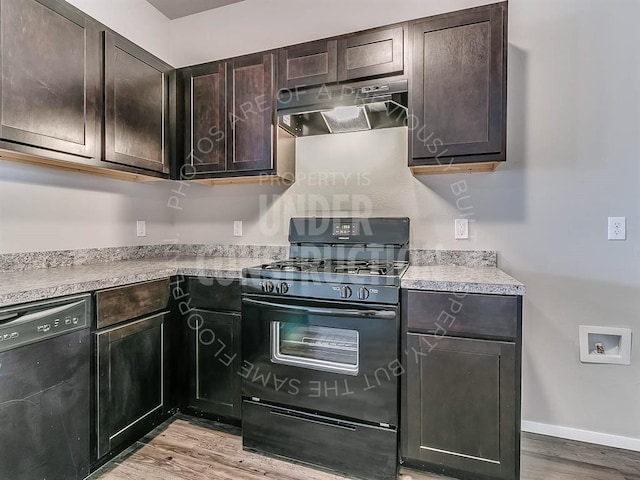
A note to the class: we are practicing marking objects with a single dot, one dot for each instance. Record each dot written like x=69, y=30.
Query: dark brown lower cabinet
x=210, y=307
x=130, y=383
x=461, y=391
x=461, y=402
x=214, y=354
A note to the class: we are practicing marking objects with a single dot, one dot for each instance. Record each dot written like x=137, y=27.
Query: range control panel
x=326, y=291
x=38, y=321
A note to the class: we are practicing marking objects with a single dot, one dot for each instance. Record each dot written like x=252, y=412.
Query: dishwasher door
x=44, y=393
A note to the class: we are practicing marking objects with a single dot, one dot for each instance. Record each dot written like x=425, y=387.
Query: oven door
x=328, y=357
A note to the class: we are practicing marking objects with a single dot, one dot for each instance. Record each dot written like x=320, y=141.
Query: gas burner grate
x=339, y=267
x=363, y=268
x=294, y=265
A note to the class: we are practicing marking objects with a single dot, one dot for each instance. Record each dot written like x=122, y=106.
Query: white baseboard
x=587, y=436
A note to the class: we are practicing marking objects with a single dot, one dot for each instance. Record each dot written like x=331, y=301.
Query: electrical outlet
x=462, y=228
x=617, y=228
x=141, y=228
x=237, y=228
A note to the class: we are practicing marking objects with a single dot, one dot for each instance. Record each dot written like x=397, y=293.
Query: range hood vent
x=343, y=108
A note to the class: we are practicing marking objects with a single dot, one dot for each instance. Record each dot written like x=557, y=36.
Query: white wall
x=255, y=25
x=43, y=209
x=361, y=173
x=46, y=209
x=136, y=20
x=573, y=160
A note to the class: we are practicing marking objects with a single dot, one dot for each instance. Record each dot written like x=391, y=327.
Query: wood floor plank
x=541, y=467
x=225, y=450
x=625, y=461
x=186, y=448
x=188, y=451
x=409, y=474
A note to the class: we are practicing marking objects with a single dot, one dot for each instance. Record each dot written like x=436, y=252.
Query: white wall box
x=605, y=345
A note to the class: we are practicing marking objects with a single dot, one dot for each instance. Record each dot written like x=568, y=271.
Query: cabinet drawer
x=319, y=440
x=483, y=316
x=125, y=303
x=308, y=64
x=214, y=293
x=371, y=54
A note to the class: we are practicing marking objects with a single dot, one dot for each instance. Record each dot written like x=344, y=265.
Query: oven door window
x=315, y=347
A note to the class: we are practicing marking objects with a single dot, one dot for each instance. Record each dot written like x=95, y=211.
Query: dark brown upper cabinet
x=458, y=89
x=371, y=54
x=229, y=126
x=136, y=96
x=205, y=119
x=308, y=64
x=250, y=101
x=50, y=78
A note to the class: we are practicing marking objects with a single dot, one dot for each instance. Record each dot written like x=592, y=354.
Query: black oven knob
x=267, y=287
x=363, y=293
x=282, y=288
x=345, y=292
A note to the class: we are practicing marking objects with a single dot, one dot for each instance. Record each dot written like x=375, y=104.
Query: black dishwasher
x=44, y=390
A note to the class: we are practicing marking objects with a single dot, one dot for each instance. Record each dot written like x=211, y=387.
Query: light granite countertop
x=43, y=283
x=454, y=278
x=38, y=284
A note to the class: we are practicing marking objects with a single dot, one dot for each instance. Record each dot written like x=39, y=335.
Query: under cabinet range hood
x=343, y=108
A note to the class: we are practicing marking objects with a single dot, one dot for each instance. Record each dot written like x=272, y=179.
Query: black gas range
x=320, y=339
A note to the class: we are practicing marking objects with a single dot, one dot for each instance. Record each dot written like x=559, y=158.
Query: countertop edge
x=464, y=287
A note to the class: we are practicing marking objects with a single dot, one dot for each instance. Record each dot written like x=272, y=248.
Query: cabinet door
x=214, y=351
x=50, y=76
x=130, y=384
x=371, y=54
x=461, y=405
x=206, y=119
x=308, y=64
x=250, y=101
x=459, y=86
x=136, y=106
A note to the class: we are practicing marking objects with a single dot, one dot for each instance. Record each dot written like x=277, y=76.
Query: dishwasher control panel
x=26, y=324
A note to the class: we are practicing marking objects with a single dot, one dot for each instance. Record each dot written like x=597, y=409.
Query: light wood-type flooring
x=185, y=448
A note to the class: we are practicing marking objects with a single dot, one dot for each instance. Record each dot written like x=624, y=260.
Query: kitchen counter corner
x=38, y=284
x=454, y=278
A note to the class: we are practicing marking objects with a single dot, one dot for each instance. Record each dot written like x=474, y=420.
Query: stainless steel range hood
x=343, y=108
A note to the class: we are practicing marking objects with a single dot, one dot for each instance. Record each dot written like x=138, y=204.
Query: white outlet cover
x=462, y=229
x=237, y=228
x=617, y=228
x=141, y=228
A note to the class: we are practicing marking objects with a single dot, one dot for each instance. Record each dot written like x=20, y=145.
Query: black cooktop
x=346, y=267
x=331, y=271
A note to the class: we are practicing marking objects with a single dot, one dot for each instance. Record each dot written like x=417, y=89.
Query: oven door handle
x=324, y=311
